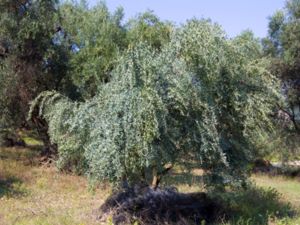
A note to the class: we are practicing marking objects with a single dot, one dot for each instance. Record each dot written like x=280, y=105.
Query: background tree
x=95, y=37
x=30, y=60
x=147, y=27
x=283, y=45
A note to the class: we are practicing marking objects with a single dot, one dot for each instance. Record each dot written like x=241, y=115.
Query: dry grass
x=31, y=194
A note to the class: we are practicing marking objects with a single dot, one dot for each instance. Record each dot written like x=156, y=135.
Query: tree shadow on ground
x=251, y=206
x=144, y=205
x=11, y=187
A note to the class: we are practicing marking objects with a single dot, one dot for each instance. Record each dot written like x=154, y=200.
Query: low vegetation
x=36, y=194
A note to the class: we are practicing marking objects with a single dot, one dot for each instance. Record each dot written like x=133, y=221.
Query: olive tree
x=202, y=99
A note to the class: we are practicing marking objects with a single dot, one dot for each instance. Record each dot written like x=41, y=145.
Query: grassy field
x=289, y=188
x=34, y=194
x=40, y=195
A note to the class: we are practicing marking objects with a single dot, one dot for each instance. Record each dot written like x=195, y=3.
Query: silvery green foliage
x=62, y=115
x=149, y=115
x=201, y=99
x=237, y=86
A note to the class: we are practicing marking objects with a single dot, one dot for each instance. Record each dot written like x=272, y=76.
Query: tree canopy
x=201, y=98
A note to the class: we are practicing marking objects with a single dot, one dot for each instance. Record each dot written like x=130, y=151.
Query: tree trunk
x=49, y=149
x=156, y=176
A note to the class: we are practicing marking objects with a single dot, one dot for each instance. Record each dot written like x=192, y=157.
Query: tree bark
x=156, y=176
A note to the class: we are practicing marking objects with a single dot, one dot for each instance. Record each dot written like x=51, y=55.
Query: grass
x=33, y=194
x=256, y=205
x=30, y=138
x=288, y=187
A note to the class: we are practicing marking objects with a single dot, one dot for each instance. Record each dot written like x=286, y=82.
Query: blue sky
x=234, y=15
